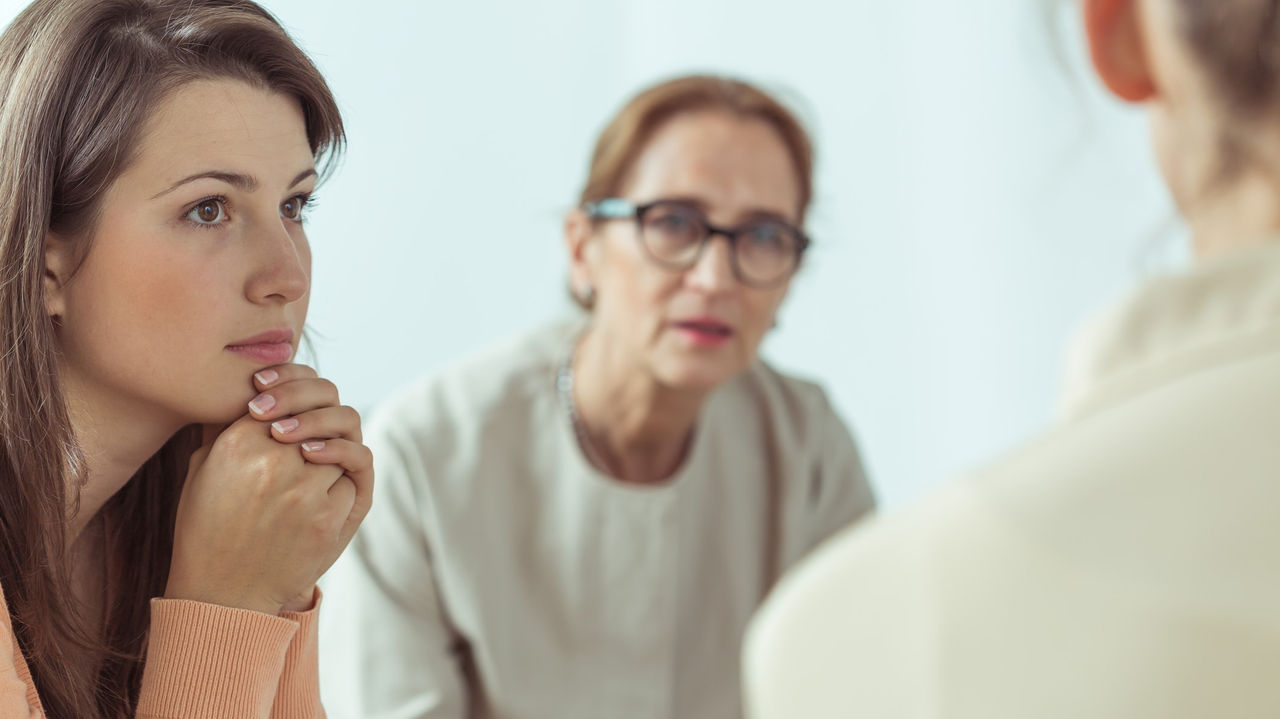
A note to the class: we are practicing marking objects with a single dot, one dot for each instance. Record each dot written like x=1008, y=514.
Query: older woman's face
x=699, y=327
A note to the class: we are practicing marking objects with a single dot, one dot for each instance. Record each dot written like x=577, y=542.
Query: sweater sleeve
x=209, y=662
x=17, y=696
x=298, y=696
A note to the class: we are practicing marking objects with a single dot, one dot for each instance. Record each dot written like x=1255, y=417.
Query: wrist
x=304, y=602
x=222, y=599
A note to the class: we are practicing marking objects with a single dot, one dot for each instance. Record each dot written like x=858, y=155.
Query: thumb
x=197, y=461
x=209, y=433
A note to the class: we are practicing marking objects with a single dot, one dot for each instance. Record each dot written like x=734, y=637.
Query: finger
x=209, y=433
x=348, y=502
x=197, y=460
x=281, y=373
x=363, y=502
x=357, y=463
x=324, y=423
x=354, y=497
x=246, y=434
x=222, y=434
x=343, y=494
x=354, y=458
x=290, y=398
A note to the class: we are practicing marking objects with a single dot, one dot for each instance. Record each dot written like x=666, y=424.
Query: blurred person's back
x=1125, y=564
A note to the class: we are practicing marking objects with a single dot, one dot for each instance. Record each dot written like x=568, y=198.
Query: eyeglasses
x=763, y=253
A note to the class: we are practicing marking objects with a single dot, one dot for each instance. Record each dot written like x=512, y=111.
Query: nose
x=713, y=271
x=281, y=265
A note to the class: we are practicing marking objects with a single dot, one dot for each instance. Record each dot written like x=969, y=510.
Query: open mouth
x=704, y=331
x=709, y=328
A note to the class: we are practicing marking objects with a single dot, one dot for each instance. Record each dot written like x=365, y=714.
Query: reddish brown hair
x=630, y=130
x=78, y=78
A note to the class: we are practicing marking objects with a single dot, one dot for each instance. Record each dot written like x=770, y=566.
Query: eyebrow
x=753, y=215
x=766, y=215
x=240, y=181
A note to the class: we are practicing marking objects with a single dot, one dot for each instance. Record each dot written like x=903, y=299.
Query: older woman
x=580, y=521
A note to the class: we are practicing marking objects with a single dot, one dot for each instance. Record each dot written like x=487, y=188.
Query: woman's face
x=198, y=271
x=698, y=327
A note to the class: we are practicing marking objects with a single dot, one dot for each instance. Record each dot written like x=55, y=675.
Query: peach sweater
x=204, y=662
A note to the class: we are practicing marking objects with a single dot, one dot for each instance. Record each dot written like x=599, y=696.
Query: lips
x=267, y=348
x=704, y=333
x=707, y=326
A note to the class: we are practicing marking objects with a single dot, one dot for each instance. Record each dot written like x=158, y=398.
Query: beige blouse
x=1124, y=566
x=500, y=575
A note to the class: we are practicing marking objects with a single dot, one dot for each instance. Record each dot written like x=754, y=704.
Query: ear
x=1117, y=49
x=578, y=231
x=59, y=265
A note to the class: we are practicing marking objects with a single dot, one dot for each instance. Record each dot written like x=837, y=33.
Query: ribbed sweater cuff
x=299, y=692
x=206, y=661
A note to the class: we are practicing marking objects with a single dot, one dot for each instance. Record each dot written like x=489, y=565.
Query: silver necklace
x=564, y=387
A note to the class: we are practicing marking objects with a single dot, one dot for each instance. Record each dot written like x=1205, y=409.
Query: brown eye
x=675, y=225
x=208, y=212
x=292, y=209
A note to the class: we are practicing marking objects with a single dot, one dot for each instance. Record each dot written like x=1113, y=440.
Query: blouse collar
x=1220, y=311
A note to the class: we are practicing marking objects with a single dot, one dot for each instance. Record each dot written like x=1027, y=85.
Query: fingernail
x=267, y=376
x=262, y=403
x=285, y=426
x=314, y=445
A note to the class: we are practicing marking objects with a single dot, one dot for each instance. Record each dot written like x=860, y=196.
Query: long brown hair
x=78, y=78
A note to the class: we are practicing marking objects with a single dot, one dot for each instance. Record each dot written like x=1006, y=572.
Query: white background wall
x=976, y=197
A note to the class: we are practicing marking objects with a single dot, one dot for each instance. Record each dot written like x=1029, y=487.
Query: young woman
x=1124, y=565
x=171, y=486
x=579, y=522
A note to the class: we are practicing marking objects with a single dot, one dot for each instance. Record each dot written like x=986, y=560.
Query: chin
x=698, y=376
x=225, y=408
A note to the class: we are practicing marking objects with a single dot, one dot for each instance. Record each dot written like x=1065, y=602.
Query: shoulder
x=16, y=687
x=1119, y=496
x=494, y=383
x=1083, y=544
x=796, y=406
x=845, y=622
x=6, y=624
x=480, y=418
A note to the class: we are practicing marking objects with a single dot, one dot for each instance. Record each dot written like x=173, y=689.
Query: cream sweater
x=1124, y=566
x=500, y=575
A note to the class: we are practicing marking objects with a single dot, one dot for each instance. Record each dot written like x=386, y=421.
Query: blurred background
x=977, y=197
